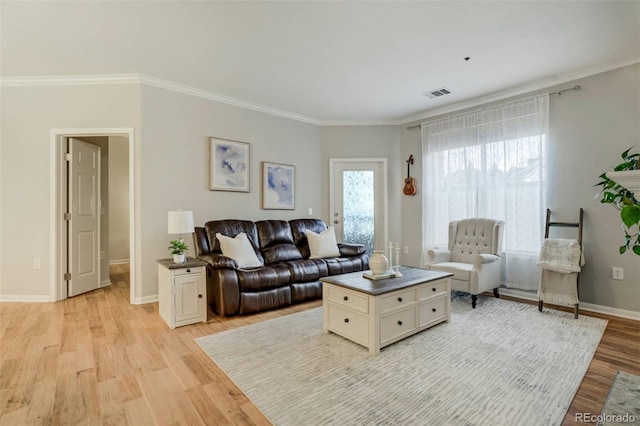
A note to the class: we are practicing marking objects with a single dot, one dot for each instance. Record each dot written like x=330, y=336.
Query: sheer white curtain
x=490, y=163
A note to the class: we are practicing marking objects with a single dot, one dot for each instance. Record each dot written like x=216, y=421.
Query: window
x=490, y=163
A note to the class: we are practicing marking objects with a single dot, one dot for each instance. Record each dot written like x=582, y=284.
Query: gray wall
x=118, y=199
x=589, y=129
x=173, y=133
x=175, y=162
x=28, y=115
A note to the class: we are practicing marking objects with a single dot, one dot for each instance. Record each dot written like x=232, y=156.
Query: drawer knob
x=345, y=298
x=188, y=270
x=399, y=322
x=346, y=320
x=433, y=310
x=399, y=299
x=433, y=289
x=199, y=296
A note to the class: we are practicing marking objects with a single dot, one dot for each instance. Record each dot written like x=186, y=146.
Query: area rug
x=623, y=402
x=503, y=363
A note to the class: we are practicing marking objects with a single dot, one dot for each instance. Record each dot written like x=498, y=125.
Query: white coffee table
x=378, y=313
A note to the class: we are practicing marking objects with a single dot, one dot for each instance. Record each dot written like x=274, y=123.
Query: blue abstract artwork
x=278, y=186
x=229, y=165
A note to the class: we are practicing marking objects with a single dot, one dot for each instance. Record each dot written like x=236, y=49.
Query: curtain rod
x=559, y=93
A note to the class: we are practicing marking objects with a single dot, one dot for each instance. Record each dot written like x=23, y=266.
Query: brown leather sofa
x=288, y=275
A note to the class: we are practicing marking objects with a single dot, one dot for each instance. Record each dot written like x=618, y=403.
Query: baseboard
x=600, y=309
x=145, y=299
x=25, y=298
x=118, y=261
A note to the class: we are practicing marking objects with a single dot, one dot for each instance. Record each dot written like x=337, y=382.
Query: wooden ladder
x=578, y=224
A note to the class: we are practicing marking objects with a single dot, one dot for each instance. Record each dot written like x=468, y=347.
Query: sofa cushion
x=323, y=244
x=265, y=278
x=239, y=249
x=460, y=271
x=231, y=228
x=343, y=265
x=276, y=241
x=303, y=270
x=298, y=226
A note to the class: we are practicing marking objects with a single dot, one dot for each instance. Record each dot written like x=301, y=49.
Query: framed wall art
x=229, y=165
x=278, y=186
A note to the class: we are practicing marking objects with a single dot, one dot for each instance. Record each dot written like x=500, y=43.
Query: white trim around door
x=382, y=161
x=58, y=289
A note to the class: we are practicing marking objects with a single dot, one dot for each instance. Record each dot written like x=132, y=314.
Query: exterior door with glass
x=358, y=201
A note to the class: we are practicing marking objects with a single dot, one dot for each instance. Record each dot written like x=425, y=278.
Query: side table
x=182, y=292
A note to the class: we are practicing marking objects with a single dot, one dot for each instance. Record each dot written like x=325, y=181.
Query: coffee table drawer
x=433, y=310
x=398, y=300
x=349, y=299
x=398, y=324
x=348, y=323
x=431, y=290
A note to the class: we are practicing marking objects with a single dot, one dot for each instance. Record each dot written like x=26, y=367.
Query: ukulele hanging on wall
x=409, y=182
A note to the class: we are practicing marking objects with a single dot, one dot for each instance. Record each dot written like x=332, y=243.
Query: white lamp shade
x=181, y=222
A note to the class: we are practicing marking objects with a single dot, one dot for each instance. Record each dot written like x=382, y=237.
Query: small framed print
x=229, y=165
x=278, y=186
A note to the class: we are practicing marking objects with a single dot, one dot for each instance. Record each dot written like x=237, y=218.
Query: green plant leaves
x=630, y=215
x=624, y=200
x=177, y=247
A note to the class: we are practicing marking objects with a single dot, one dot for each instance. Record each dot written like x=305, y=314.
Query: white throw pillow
x=323, y=244
x=239, y=249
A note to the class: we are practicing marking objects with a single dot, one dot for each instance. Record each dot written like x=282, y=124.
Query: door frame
x=57, y=178
x=332, y=164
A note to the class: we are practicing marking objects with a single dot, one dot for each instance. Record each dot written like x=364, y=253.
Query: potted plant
x=177, y=249
x=624, y=199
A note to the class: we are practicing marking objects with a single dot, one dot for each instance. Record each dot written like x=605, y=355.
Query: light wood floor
x=96, y=359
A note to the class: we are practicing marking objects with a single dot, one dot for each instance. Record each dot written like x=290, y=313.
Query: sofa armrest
x=482, y=259
x=218, y=261
x=349, y=250
x=438, y=256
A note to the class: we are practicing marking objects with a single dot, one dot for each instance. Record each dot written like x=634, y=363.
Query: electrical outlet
x=102, y=255
x=310, y=211
x=36, y=263
x=406, y=250
x=617, y=273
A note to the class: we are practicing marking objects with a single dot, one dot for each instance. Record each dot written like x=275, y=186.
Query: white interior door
x=358, y=201
x=84, y=224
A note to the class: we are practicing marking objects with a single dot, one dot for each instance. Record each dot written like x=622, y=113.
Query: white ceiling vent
x=432, y=94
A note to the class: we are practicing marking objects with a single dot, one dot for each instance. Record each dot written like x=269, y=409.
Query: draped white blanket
x=560, y=255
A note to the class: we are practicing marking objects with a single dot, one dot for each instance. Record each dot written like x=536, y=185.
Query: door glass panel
x=358, y=207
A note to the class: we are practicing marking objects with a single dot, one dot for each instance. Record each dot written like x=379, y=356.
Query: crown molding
x=205, y=94
x=69, y=80
x=361, y=123
x=79, y=80
x=519, y=90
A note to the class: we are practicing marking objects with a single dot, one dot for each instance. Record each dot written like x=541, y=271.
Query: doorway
x=59, y=193
x=358, y=201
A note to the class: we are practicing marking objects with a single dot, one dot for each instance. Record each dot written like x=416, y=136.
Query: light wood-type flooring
x=95, y=359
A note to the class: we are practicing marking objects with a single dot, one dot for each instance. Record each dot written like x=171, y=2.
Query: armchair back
x=469, y=237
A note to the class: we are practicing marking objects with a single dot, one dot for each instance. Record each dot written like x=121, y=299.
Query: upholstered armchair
x=472, y=256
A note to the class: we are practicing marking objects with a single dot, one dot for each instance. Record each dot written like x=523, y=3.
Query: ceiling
x=332, y=62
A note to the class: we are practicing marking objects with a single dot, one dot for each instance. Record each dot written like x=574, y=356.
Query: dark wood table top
x=411, y=276
x=190, y=262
